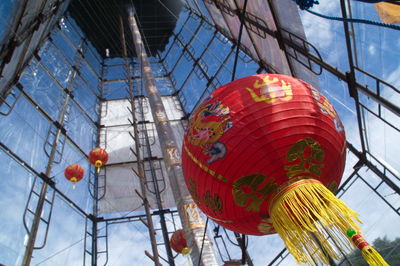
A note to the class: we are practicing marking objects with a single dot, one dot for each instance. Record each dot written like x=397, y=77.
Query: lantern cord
x=356, y=20
x=237, y=237
x=202, y=242
x=239, y=39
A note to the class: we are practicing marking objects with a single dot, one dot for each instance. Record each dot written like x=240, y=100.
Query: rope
x=305, y=4
x=356, y=20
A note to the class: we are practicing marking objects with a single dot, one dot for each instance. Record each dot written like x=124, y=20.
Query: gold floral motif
x=333, y=186
x=214, y=203
x=305, y=164
x=266, y=227
x=246, y=191
x=271, y=92
x=192, y=187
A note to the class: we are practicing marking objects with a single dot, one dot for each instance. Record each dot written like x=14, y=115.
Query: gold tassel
x=312, y=221
x=369, y=254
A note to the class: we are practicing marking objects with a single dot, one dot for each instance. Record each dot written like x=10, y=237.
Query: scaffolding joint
x=47, y=179
x=350, y=78
x=60, y=127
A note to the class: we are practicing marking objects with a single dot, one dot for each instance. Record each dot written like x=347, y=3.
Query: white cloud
x=319, y=30
x=372, y=49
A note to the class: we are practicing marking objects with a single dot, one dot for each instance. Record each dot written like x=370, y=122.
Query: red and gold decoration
x=369, y=254
x=178, y=242
x=74, y=173
x=263, y=155
x=98, y=157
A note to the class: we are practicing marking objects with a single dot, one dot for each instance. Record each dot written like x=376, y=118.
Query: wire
x=239, y=40
x=202, y=243
x=199, y=39
x=355, y=20
x=60, y=251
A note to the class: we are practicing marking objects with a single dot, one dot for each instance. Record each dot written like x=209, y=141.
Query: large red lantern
x=178, y=242
x=98, y=157
x=258, y=156
x=74, y=173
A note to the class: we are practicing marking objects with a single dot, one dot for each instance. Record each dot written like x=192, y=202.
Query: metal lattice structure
x=64, y=91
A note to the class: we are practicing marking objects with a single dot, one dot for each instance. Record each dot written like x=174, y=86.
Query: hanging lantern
x=178, y=242
x=263, y=154
x=98, y=157
x=74, y=173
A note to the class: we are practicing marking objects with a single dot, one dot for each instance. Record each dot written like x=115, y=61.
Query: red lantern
x=98, y=157
x=178, y=242
x=257, y=157
x=74, y=173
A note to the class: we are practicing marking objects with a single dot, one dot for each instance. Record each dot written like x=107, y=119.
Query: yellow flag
x=389, y=13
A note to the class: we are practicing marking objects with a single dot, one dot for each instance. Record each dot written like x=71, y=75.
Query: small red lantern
x=98, y=157
x=74, y=173
x=178, y=242
x=258, y=158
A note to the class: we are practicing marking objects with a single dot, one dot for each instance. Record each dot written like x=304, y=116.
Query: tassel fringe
x=312, y=222
x=373, y=257
x=369, y=254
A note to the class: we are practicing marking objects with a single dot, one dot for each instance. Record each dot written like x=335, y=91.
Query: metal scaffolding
x=194, y=229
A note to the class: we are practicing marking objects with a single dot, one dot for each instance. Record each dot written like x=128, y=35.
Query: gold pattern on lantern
x=333, y=186
x=246, y=189
x=214, y=203
x=271, y=92
x=306, y=164
x=205, y=168
x=192, y=187
x=219, y=220
x=266, y=227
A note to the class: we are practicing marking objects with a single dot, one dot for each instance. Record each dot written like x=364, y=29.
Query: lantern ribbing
x=263, y=155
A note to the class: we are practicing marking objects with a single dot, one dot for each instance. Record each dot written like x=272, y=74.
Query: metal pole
x=245, y=253
x=331, y=261
x=137, y=149
x=192, y=223
x=351, y=82
x=42, y=197
x=96, y=188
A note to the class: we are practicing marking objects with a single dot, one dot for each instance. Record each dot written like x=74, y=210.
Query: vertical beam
x=42, y=196
x=96, y=180
x=193, y=232
x=140, y=172
x=351, y=78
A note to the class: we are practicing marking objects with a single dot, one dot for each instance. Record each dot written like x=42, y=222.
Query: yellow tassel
x=373, y=257
x=369, y=254
x=312, y=221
